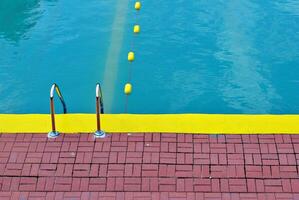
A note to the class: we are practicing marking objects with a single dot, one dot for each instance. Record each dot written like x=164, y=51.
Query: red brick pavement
x=149, y=166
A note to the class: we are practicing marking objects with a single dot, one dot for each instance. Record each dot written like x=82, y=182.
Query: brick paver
x=149, y=166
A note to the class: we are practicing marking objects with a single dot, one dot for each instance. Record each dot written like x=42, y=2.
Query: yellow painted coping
x=166, y=123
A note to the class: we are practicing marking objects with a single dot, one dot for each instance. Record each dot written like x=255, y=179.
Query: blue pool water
x=238, y=56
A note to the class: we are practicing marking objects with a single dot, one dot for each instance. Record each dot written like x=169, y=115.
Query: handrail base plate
x=53, y=134
x=99, y=134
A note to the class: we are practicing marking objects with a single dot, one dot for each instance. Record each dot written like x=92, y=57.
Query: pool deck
x=149, y=166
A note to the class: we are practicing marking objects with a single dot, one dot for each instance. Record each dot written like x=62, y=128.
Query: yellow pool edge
x=161, y=123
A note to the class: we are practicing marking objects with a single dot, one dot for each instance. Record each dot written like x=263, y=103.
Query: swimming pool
x=237, y=56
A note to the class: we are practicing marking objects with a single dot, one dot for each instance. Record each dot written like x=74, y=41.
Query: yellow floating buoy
x=136, y=29
x=131, y=56
x=137, y=5
x=128, y=89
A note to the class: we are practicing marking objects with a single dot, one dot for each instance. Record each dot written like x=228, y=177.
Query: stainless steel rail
x=99, y=110
x=54, y=88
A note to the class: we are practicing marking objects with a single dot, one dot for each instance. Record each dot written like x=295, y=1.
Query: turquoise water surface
x=196, y=56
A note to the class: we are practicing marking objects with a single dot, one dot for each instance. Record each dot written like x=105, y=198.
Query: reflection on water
x=185, y=85
x=113, y=55
x=290, y=6
x=9, y=103
x=46, y=41
x=244, y=86
x=17, y=17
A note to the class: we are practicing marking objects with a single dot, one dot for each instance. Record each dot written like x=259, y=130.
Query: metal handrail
x=99, y=97
x=55, y=87
x=99, y=110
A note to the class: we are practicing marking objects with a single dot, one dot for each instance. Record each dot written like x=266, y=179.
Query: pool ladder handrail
x=99, y=110
x=54, y=133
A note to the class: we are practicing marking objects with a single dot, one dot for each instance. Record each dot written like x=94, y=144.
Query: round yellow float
x=136, y=29
x=128, y=89
x=137, y=5
x=131, y=56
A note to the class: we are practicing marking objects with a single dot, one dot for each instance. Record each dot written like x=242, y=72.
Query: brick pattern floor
x=149, y=166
